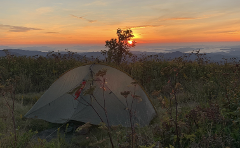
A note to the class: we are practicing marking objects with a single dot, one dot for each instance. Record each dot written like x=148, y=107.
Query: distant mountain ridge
x=213, y=57
x=20, y=52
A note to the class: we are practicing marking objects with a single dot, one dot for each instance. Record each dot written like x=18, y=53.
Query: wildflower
x=156, y=93
x=163, y=102
x=104, y=88
x=160, y=98
x=84, y=126
x=101, y=72
x=125, y=93
x=134, y=83
x=103, y=126
x=185, y=76
x=90, y=90
x=138, y=98
x=178, y=85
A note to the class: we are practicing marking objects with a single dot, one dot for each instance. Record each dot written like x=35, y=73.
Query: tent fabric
x=59, y=103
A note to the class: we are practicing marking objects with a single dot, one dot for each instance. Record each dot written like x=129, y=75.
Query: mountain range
x=213, y=57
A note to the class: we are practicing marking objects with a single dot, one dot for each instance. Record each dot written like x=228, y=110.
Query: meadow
x=197, y=102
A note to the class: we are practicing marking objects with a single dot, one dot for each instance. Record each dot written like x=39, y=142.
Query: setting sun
x=129, y=42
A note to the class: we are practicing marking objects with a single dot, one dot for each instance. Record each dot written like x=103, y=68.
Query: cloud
x=141, y=27
x=52, y=32
x=43, y=10
x=97, y=3
x=182, y=18
x=186, y=18
x=191, y=18
x=91, y=21
x=17, y=28
x=224, y=31
x=82, y=17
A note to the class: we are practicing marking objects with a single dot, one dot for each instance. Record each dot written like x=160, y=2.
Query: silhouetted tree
x=119, y=48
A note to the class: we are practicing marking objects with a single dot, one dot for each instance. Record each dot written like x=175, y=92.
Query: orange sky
x=94, y=22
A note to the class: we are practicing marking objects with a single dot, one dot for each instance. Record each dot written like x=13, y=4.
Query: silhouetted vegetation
x=119, y=48
x=197, y=102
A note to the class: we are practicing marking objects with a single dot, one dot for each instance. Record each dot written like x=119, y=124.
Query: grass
x=197, y=104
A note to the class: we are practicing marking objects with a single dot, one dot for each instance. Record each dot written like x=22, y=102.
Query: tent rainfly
x=82, y=94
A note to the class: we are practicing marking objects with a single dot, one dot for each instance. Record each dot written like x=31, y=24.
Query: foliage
x=119, y=49
x=36, y=73
x=197, y=102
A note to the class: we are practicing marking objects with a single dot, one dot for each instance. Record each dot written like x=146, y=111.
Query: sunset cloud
x=141, y=27
x=97, y=3
x=193, y=18
x=17, y=28
x=223, y=31
x=82, y=17
x=52, y=32
x=91, y=21
x=43, y=10
x=183, y=18
x=79, y=17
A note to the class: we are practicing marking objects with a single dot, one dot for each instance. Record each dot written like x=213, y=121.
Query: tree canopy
x=119, y=48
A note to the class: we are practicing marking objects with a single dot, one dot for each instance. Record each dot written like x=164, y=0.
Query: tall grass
x=197, y=102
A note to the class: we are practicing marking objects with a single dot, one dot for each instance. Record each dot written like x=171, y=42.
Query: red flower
x=78, y=92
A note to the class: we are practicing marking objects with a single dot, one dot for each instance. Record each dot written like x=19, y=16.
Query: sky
x=87, y=24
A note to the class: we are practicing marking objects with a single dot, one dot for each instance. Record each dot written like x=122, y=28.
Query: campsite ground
x=197, y=104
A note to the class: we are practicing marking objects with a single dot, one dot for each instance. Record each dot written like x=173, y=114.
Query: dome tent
x=66, y=99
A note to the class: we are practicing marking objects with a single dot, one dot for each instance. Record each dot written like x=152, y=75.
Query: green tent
x=67, y=98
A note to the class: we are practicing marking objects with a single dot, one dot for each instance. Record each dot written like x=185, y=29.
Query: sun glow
x=130, y=42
